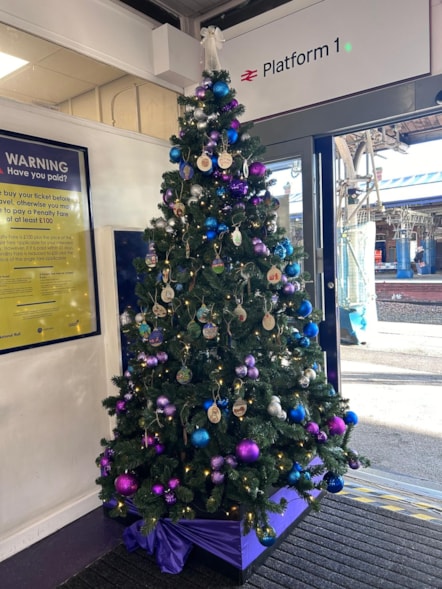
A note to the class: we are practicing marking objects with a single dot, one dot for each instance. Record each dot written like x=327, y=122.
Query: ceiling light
x=9, y=63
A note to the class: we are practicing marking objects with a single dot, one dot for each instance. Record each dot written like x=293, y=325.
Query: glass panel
x=287, y=188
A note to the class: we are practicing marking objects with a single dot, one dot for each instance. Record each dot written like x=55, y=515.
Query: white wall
x=51, y=418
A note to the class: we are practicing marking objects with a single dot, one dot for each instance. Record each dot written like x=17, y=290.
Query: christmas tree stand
x=220, y=542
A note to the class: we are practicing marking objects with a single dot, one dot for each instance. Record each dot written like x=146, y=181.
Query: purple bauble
x=174, y=483
x=336, y=426
x=162, y=401
x=159, y=448
x=288, y=289
x=238, y=188
x=217, y=477
x=157, y=489
x=151, y=361
x=170, y=498
x=321, y=437
x=120, y=406
x=256, y=200
x=260, y=249
x=257, y=169
x=354, y=464
x=126, y=484
x=253, y=373
x=249, y=361
x=217, y=462
x=231, y=461
x=241, y=371
x=235, y=124
x=200, y=92
x=168, y=197
x=247, y=451
x=105, y=462
x=312, y=428
x=169, y=410
x=162, y=357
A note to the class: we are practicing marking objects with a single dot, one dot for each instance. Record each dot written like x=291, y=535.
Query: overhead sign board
x=326, y=51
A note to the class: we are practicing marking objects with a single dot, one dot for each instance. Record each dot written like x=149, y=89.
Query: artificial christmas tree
x=224, y=398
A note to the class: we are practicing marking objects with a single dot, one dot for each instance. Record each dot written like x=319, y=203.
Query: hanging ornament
x=305, y=309
x=151, y=257
x=310, y=329
x=175, y=155
x=214, y=413
x=218, y=265
x=193, y=329
x=220, y=89
x=225, y=160
x=144, y=329
x=247, y=451
x=167, y=294
x=158, y=310
x=257, y=169
x=210, y=331
x=268, y=321
x=186, y=171
x=292, y=269
x=237, y=237
x=184, y=375
x=196, y=190
x=239, y=407
x=335, y=482
x=297, y=414
x=126, y=484
x=200, y=438
x=203, y=314
x=274, y=275
x=336, y=426
x=204, y=163
x=351, y=418
x=240, y=313
x=156, y=337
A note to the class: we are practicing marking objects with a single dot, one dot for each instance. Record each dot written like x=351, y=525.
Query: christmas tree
x=224, y=397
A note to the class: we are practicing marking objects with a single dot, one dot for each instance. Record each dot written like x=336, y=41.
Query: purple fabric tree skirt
x=171, y=543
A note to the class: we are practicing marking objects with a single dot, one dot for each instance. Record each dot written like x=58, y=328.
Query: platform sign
x=328, y=50
x=47, y=266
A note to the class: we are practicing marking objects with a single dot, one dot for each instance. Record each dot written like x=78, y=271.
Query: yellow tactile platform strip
x=418, y=507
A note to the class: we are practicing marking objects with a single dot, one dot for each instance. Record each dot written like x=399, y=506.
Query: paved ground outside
x=394, y=384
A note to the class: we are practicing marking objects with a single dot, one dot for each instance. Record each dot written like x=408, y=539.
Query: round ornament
x=280, y=251
x=257, y=169
x=249, y=360
x=335, y=482
x=266, y=536
x=351, y=418
x=293, y=270
x=268, y=322
x=196, y=190
x=217, y=477
x=241, y=371
x=274, y=275
x=247, y=451
x=312, y=428
x=220, y=89
x=199, y=114
x=203, y=314
x=240, y=313
x=210, y=331
x=211, y=223
x=126, y=484
x=157, y=489
x=225, y=160
x=297, y=414
x=193, y=329
x=305, y=309
x=156, y=337
x=151, y=361
x=274, y=408
x=238, y=188
x=170, y=498
x=184, y=375
x=293, y=477
x=232, y=136
x=204, y=163
x=239, y=407
x=321, y=437
x=175, y=155
x=336, y=426
x=214, y=413
x=253, y=373
x=217, y=462
x=218, y=265
x=167, y=294
x=158, y=310
x=310, y=329
x=200, y=438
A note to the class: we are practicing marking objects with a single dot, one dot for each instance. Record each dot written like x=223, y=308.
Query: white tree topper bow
x=212, y=40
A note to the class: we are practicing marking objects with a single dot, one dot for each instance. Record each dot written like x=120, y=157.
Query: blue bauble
x=297, y=414
x=222, y=228
x=293, y=477
x=220, y=89
x=207, y=404
x=210, y=234
x=293, y=269
x=266, y=536
x=210, y=223
x=303, y=342
x=232, y=136
x=175, y=155
x=280, y=251
x=297, y=466
x=305, y=309
x=335, y=482
x=200, y=438
x=350, y=418
x=310, y=329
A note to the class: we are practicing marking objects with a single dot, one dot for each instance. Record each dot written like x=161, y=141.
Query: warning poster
x=47, y=272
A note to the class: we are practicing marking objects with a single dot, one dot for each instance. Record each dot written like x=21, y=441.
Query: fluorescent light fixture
x=9, y=63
